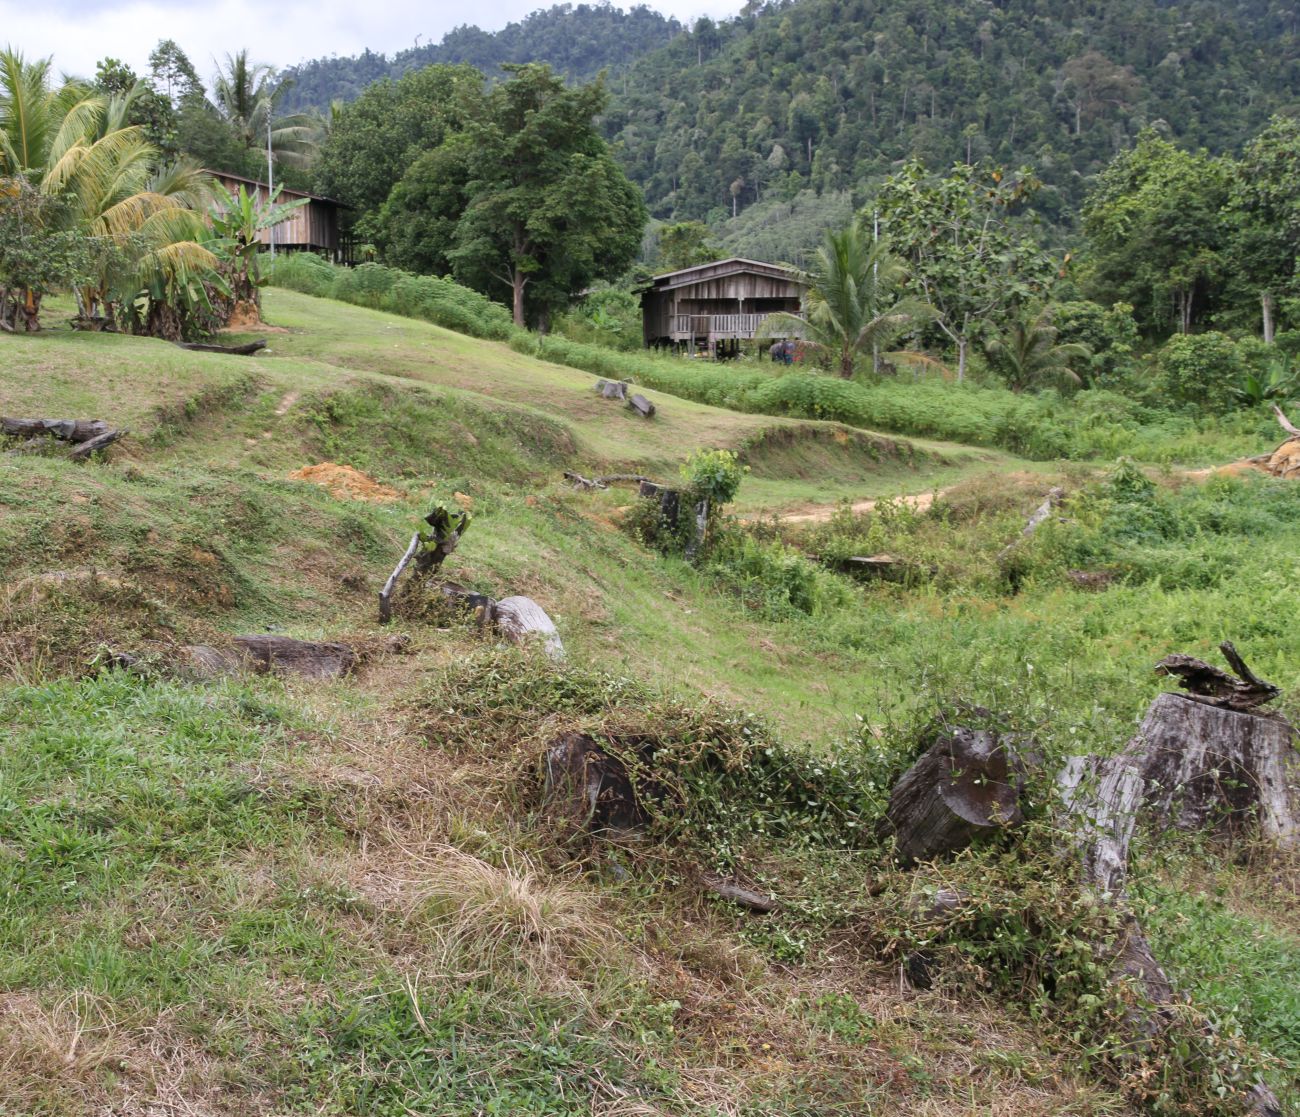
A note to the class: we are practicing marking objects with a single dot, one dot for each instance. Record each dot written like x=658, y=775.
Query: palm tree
x=852, y=302
x=244, y=94
x=1027, y=355
x=74, y=145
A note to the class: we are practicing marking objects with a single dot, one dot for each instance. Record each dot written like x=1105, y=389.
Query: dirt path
x=820, y=513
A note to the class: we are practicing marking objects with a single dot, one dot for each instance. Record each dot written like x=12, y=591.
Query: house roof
x=285, y=191
x=736, y=264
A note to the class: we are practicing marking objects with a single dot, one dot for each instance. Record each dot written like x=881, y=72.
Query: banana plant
x=1276, y=382
x=237, y=219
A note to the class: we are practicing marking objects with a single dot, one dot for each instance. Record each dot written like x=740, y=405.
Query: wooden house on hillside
x=713, y=307
x=310, y=228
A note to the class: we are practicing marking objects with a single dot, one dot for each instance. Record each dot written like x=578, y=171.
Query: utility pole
x=270, y=179
x=875, y=286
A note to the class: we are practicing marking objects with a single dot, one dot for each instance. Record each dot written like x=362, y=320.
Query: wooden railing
x=717, y=325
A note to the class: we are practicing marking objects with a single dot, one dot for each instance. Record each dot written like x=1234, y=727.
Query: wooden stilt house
x=713, y=307
x=310, y=228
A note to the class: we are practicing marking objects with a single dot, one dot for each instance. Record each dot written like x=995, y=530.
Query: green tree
x=373, y=141
x=967, y=257
x=1264, y=219
x=1027, y=354
x=526, y=204
x=1157, y=234
x=853, y=301
x=39, y=251
x=172, y=70
x=685, y=244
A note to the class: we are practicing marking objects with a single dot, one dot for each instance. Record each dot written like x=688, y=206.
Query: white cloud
x=280, y=33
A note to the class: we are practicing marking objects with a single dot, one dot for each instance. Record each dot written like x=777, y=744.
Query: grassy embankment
x=273, y=896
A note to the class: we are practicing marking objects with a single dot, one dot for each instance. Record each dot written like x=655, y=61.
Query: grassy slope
x=245, y=888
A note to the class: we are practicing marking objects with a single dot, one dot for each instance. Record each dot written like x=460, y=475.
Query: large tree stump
x=641, y=406
x=1202, y=763
x=612, y=389
x=965, y=786
x=300, y=657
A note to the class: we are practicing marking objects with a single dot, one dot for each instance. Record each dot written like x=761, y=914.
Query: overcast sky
x=77, y=33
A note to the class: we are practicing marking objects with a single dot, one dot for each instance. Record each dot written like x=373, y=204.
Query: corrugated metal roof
x=285, y=191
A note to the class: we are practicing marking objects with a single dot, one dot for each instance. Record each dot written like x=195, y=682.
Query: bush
x=1201, y=369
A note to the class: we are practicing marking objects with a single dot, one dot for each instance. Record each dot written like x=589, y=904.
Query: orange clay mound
x=1285, y=461
x=345, y=482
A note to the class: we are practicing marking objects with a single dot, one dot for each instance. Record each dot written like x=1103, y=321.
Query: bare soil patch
x=346, y=483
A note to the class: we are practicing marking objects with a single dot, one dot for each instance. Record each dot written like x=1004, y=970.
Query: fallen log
x=232, y=350
x=738, y=894
x=1035, y=521
x=521, y=619
x=588, y=483
x=964, y=787
x=641, y=406
x=83, y=450
x=300, y=657
x=67, y=430
x=1286, y=423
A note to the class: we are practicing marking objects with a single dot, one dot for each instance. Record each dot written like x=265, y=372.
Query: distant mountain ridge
x=577, y=40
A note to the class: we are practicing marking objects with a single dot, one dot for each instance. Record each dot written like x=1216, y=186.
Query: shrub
x=1201, y=369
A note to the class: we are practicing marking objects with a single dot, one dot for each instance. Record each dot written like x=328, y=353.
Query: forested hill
x=831, y=93
x=578, y=41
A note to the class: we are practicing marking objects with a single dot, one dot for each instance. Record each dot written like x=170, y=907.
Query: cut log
x=738, y=894
x=300, y=657
x=521, y=619
x=83, y=450
x=233, y=350
x=208, y=662
x=68, y=430
x=612, y=389
x=641, y=406
x=964, y=787
x=589, y=787
x=581, y=482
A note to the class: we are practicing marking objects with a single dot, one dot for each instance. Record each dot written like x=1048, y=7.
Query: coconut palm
x=1028, y=356
x=244, y=94
x=852, y=302
x=74, y=145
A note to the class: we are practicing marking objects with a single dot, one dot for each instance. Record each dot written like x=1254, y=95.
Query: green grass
x=286, y=897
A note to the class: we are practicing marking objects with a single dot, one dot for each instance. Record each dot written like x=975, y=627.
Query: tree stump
x=964, y=787
x=1202, y=763
x=589, y=787
x=612, y=389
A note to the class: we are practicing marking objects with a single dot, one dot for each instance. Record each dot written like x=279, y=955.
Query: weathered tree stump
x=299, y=657
x=612, y=389
x=964, y=787
x=589, y=787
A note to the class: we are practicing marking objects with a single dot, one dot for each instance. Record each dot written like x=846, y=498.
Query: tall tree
x=685, y=244
x=968, y=259
x=1264, y=219
x=174, y=73
x=853, y=302
x=375, y=139
x=1157, y=234
x=526, y=203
